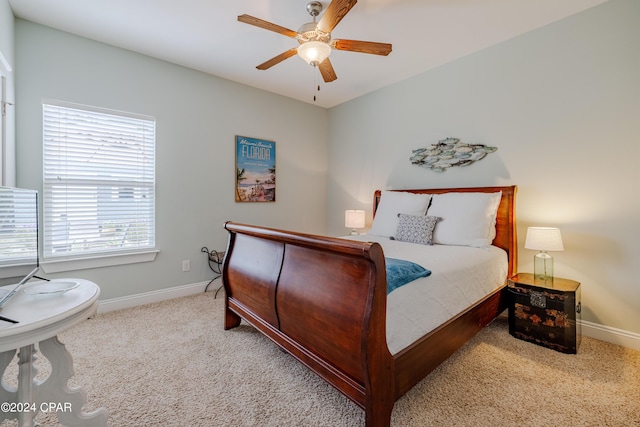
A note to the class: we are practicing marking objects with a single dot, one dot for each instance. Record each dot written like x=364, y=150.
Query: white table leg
x=55, y=390
x=8, y=395
x=19, y=401
x=26, y=387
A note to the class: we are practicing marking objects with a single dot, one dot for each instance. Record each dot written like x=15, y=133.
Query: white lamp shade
x=544, y=239
x=354, y=218
x=314, y=52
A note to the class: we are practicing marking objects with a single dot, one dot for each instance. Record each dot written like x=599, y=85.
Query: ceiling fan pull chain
x=315, y=81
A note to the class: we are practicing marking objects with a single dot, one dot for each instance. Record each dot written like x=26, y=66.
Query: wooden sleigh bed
x=324, y=301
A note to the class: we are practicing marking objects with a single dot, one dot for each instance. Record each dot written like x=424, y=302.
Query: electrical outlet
x=186, y=265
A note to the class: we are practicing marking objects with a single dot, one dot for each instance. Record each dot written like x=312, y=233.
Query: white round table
x=41, y=318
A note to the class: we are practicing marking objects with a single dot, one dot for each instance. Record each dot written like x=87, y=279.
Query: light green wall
x=7, y=155
x=6, y=30
x=562, y=104
x=197, y=117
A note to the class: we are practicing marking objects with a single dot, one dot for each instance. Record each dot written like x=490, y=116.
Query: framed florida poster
x=255, y=170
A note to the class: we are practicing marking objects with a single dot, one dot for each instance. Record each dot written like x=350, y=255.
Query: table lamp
x=543, y=239
x=354, y=218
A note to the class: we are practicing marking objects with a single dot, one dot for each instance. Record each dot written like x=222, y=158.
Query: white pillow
x=393, y=203
x=467, y=219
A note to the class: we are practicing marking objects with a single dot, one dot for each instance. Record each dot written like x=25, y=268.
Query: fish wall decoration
x=449, y=152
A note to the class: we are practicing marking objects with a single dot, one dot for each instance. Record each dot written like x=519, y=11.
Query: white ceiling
x=205, y=35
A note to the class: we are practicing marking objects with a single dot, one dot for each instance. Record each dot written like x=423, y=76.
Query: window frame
x=96, y=185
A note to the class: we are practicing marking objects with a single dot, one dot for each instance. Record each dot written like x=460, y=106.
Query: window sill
x=70, y=264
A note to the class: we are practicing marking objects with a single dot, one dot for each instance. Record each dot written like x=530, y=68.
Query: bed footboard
x=321, y=299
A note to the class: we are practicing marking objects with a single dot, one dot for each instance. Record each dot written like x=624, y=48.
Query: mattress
x=460, y=277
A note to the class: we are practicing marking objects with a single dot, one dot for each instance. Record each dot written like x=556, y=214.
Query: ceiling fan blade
x=326, y=69
x=251, y=20
x=362, y=46
x=277, y=59
x=336, y=10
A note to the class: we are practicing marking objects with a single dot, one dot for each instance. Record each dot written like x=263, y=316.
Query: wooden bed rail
x=330, y=314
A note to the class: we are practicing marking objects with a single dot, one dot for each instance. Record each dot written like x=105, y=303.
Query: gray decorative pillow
x=416, y=228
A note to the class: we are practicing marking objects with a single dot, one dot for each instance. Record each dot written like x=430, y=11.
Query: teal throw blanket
x=401, y=272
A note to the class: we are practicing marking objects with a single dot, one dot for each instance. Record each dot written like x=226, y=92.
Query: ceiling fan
x=315, y=38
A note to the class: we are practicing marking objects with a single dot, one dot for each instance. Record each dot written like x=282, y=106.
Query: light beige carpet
x=172, y=364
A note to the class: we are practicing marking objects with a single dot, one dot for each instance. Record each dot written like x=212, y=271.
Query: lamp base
x=354, y=232
x=543, y=267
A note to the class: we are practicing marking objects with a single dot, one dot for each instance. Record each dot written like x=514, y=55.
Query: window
x=99, y=182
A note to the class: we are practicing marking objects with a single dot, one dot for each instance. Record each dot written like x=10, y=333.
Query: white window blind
x=99, y=182
x=18, y=226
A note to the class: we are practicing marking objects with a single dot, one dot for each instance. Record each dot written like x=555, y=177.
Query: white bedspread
x=460, y=276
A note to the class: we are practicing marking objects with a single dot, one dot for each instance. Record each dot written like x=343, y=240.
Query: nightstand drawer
x=545, y=313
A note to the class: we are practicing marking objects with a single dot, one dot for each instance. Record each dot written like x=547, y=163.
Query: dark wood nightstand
x=545, y=312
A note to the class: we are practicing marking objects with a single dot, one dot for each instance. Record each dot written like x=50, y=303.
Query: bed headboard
x=506, y=233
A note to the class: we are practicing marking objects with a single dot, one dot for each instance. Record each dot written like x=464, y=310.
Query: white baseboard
x=128, y=301
x=612, y=335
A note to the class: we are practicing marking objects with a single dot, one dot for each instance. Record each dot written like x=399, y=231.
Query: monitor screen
x=18, y=234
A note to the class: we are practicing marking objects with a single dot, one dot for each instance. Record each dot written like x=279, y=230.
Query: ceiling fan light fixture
x=314, y=38
x=314, y=52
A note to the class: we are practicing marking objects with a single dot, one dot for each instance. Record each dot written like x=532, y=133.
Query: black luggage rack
x=215, y=259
